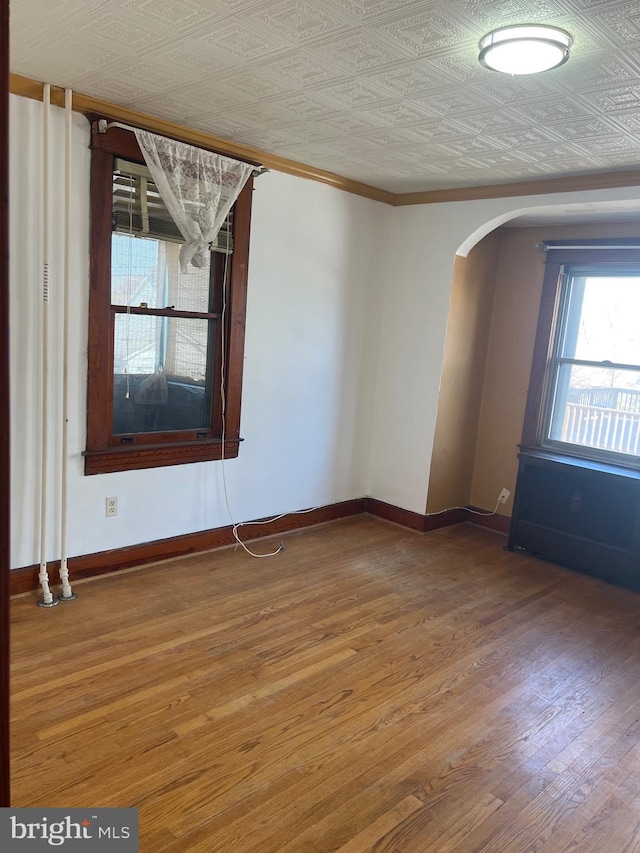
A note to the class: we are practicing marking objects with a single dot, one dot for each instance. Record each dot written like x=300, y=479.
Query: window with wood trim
x=165, y=347
x=584, y=396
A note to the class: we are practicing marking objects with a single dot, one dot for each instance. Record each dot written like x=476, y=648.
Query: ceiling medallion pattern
x=387, y=92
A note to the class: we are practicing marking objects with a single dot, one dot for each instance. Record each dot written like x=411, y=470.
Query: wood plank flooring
x=369, y=689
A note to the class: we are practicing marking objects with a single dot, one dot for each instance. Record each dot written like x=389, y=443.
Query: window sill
x=560, y=457
x=133, y=458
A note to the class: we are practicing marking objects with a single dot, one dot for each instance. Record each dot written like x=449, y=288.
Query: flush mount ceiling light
x=524, y=49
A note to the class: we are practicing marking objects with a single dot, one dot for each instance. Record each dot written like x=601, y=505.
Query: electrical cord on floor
x=474, y=511
x=266, y=521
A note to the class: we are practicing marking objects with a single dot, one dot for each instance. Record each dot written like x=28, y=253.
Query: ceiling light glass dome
x=524, y=49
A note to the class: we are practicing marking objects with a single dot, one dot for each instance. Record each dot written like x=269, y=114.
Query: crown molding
x=29, y=88
x=600, y=181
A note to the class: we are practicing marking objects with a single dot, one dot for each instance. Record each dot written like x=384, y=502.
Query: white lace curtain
x=198, y=188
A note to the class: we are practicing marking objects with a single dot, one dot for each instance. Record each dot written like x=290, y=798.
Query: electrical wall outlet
x=504, y=495
x=111, y=506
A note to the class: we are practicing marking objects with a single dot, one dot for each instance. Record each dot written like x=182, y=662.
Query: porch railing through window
x=601, y=426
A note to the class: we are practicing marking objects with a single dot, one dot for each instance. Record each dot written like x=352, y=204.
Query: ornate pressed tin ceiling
x=387, y=92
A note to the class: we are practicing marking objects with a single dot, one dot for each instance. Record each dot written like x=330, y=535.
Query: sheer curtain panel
x=198, y=188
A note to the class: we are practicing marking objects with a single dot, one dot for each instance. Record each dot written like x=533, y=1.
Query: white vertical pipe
x=47, y=600
x=67, y=593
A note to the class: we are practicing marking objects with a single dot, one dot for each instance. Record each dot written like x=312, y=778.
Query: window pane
x=597, y=407
x=148, y=271
x=161, y=380
x=602, y=319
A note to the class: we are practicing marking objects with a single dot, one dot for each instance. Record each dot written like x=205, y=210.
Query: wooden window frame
x=103, y=453
x=610, y=253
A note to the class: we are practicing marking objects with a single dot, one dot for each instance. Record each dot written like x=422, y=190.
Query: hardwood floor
x=370, y=689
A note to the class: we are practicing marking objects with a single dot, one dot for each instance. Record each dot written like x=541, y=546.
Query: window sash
x=591, y=431
x=170, y=379
x=212, y=380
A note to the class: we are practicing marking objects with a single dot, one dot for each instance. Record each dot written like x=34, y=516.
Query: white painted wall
x=347, y=314
x=424, y=241
x=315, y=272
